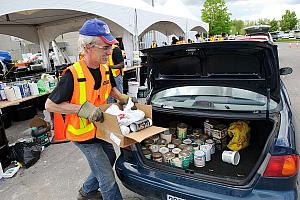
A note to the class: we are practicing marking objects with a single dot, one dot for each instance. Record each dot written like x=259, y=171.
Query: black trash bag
x=27, y=153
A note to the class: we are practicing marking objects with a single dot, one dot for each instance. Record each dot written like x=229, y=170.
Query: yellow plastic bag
x=240, y=131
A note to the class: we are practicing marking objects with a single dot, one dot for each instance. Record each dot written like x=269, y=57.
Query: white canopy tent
x=42, y=21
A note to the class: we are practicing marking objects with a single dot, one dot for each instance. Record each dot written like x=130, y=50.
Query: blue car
x=226, y=82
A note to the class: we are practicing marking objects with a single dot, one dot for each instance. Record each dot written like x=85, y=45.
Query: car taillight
x=282, y=166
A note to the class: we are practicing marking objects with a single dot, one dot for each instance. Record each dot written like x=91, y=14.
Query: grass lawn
x=288, y=40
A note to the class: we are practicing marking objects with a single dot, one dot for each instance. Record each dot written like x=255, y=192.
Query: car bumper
x=159, y=184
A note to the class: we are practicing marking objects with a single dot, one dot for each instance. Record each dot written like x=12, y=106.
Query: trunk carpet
x=216, y=167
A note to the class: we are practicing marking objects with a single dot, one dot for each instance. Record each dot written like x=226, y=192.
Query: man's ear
x=88, y=47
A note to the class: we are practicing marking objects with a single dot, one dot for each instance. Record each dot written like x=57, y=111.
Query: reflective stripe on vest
x=80, y=129
x=84, y=127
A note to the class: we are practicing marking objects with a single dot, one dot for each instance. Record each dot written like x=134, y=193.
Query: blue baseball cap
x=96, y=27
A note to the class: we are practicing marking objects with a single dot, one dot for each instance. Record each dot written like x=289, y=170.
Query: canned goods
x=185, y=158
x=181, y=131
x=163, y=150
x=161, y=142
x=157, y=157
x=171, y=146
x=176, y=142
x=197, y=131
x=154, y=148
x=176, y=151
x=195, y=146
x=181, y=146
x=155, y=138
x=199, y=158
x=148, y=142
x=168, y=157
x=176, y=162
x=207, y=151
x=190, y=149
x=141, y=124
x=187, y=141
x=212, y=144
x=167, y=136
x=199, y=142
x=147, y=153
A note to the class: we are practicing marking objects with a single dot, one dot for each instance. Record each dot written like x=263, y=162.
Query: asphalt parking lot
x=59, y=173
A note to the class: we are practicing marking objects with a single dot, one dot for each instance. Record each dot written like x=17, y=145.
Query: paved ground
x=61, y=170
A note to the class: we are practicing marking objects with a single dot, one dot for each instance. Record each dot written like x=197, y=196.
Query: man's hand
x=91, y=112
x=123, y=99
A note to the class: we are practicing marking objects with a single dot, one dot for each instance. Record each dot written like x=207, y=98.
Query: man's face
x=100, y=52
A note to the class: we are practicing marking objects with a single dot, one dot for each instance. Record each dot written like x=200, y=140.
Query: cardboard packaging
x=110, y=131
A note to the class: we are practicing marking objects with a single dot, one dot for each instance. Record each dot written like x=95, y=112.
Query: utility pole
x=153, y=32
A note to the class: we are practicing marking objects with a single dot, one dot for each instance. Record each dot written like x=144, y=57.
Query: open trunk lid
x=249, y=65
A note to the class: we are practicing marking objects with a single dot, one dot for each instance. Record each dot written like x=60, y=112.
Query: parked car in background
x=286, y=35
x=275, y=35
x=231, y=37
x=260, y=33
x=297, y=34
x=226, y=82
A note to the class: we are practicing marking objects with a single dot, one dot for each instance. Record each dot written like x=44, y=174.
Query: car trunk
x=251, y=157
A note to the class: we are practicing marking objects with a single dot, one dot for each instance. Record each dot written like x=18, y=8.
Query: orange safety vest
x=77, y=128
x=115, y=72
x=180, y=42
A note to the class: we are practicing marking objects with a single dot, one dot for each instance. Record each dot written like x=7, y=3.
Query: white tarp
x=42, y=21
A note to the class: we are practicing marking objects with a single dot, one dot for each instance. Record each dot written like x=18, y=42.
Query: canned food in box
x=147, y=153
x=211, y=143
x=185, y=158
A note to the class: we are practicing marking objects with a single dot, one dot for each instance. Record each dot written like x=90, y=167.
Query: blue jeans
x=119, y=84
x=101, y=157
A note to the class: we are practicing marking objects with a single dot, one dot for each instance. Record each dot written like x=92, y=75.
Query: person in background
x=212, y=38
x=174, y=40
x=181, y=40
x=84, y=86
x=153, y=44
x=198, y=38
x=116, y=64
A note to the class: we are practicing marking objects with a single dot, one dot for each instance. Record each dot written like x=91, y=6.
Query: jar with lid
x=147, y=153
x=168, y=157
x=157, y=157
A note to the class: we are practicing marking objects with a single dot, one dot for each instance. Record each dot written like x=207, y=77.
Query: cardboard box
x=110, y=131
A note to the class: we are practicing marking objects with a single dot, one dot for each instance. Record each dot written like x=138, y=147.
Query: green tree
x=264, y=21
x=274, y=25
x=288, y=20
x=216, y=14
x=237, y=27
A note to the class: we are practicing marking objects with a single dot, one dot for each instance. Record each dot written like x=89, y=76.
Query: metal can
x=187, y=141
x=171, y=146
x=181, y=146
x=176, y=142
x=199, y=142
x=154, y=148
x=185, y=158
x=176, y=162
x=197, y=131
x=147, y=153
x=181, y=131
x=161, y=142
x=195, y=146
x=148, y=142
x=212, y=144
x=163, y=150
x=199, y=158
x=157, y=157
x=168, y=157
x=176, y=151
x=155, y=138
x=190, y=149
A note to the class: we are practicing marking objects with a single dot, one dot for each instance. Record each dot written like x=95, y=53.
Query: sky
x=246, y=9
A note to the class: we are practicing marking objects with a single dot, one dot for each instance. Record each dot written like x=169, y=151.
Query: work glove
x=91, y=112
x=123, y=99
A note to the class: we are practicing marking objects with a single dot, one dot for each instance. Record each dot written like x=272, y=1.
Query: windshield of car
x=211, y=98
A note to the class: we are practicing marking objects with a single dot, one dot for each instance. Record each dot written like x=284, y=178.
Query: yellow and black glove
x=90, y=112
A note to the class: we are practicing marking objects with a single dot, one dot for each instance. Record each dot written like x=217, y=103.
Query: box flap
x=139, y=136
